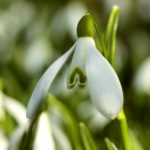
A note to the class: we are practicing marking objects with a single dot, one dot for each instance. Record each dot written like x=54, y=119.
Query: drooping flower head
x=88, y=68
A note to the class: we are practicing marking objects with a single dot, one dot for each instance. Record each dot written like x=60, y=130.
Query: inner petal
x=77, y=72
x=77, y=77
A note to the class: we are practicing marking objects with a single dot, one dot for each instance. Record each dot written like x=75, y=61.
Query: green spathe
x=85, y=27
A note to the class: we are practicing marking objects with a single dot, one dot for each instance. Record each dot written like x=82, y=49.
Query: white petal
x=43, y=139
x=80, y=53
x=79, y=60
x=104, y=86
x=16, y=109
x=3, y=141
x=39, y=94
x=96, y=120
x=16, y=137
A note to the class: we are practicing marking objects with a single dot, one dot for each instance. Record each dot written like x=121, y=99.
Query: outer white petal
x=104, y=86
x=39, y=94
x=43, y=139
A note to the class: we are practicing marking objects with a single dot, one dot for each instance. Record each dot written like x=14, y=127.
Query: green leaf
x=110, y=145
x=111, y=29
x=100, y=36
x=87, y=139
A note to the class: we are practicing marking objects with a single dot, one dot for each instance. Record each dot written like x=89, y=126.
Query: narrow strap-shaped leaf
x=110, y=145
x=113, y=34
x=87, y=139
x=100, y=36
x=110, y=25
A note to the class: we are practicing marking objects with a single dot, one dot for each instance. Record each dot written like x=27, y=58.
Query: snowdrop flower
x=13, y=107
x=37, y=54
x=141, y=81
x=88, y=68
x=43, y=139
x=3, y=141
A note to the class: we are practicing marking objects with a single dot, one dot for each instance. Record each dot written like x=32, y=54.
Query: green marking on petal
x=78, y=77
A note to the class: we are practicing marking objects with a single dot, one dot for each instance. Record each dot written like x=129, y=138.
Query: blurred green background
x=33, y=33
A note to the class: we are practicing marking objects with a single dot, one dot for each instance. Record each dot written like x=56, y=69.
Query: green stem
x=100, y=36
x=124, y=130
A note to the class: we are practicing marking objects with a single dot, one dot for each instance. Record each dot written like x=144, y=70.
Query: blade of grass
x=100, y=36
x=88, y=141
x=110, y=145
x=113, y=35
x=110, y=25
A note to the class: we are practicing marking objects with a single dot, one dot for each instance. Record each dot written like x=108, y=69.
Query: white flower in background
x=16, y=137
x=88, y=68
x=43, y=138
x=13, y=107
x=17, y=112
x=64, y=23
x=13, y=16
x=141, y=81
x=3, y=141
x=37, y=55
x=96, y=120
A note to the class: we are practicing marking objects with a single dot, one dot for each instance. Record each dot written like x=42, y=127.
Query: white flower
x=13, y=107
x=141, y=81
x=88, y=68
x=3, y=141
x=43, y=138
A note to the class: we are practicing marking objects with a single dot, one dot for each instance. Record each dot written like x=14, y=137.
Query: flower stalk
x=124, y=130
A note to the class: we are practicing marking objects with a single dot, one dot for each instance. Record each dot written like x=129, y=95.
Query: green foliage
x=87, y=139
x=110, y=145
